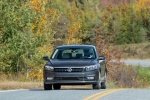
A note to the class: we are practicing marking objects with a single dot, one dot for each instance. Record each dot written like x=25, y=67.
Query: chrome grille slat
x=67, y=78
x=65, y=69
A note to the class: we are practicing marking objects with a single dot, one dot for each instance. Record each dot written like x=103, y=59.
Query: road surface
x=135, y=62
x=143, y=63
x=76, y=94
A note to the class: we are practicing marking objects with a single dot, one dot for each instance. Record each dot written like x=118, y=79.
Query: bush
x=130, y=76
x=23, y=34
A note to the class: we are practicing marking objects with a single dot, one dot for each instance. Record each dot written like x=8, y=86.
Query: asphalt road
x=136, y=62
x=143, y=63
x=76, y=94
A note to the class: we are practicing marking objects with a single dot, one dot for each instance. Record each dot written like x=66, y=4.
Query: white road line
x=12, y=90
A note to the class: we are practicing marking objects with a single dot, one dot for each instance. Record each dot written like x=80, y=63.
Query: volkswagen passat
x=75, y=65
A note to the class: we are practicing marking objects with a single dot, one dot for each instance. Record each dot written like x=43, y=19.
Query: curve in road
x=76, y=94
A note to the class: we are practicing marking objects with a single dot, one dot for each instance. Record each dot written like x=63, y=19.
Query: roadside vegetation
x=129, y=77
x=31, y=29
x=134, y=51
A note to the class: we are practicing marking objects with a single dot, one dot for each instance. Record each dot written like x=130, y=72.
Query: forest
x=31, y=29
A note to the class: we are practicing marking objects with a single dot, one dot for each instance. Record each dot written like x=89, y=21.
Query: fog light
x=49, y=78
x=90, y=78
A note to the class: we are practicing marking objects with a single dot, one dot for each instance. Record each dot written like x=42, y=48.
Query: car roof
x=76, y=46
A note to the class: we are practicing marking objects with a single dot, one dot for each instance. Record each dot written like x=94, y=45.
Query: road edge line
x=2, y=91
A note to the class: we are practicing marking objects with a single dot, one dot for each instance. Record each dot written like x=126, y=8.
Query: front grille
x=66, y=69
x=69, y=78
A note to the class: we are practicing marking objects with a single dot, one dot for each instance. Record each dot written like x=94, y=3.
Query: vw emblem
x=69, y=69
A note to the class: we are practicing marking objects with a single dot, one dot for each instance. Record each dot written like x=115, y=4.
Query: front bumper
x=72, y=78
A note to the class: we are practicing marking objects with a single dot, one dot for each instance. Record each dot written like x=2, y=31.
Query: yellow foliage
x=75, y=24
x=36, y=74
x=74, y=29
x=40, y=25
x=37, y=5
x=143, y=4
x=46, y=49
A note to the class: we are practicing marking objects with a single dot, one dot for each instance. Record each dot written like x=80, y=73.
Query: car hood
x=72, y=63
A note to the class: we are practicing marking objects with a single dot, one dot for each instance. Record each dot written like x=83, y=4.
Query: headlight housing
x=50, y=68
x=90, y=68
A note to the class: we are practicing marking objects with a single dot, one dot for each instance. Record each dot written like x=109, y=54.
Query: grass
x=144, y=74
x=134, y=51
x=8, y=85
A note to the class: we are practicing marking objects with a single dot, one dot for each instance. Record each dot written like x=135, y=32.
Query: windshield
x=74, y=53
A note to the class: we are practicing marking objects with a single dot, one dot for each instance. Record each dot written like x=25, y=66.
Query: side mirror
x=46, y=58
x=102, y=58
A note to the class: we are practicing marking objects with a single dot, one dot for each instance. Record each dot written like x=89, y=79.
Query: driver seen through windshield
x=74, y=53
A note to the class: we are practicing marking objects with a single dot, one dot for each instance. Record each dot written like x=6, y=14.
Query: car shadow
x=61, y=89
x=77, y=89
x=36, y=90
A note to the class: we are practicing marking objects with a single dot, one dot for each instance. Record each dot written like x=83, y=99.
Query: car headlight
x=50, y=68
x=90, y=68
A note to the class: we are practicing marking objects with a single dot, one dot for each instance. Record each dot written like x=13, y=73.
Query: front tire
x=47, y=86
x=56, y=86
x=98, y=84
x=103, y=85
